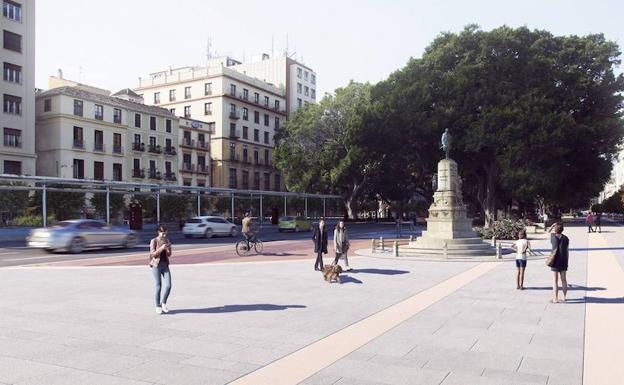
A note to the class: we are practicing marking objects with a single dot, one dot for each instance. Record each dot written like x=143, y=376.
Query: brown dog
x=331, y=273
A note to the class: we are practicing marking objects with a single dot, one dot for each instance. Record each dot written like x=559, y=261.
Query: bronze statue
x=445, y=142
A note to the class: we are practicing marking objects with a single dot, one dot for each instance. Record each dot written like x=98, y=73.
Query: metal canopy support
x=107, y=205
x=232, y=207
x=198, y=204
x=324, y=213
x=285, y=212
x=44, y=208
x=261, y=212
x=306, y=206
x=158, y=206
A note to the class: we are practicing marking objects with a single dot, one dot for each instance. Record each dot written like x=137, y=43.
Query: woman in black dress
x=319, y=237
x=559, y=266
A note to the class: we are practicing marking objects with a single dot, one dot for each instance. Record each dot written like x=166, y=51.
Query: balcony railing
x=170, y=176
x=156, y=149
x=138, y=146
x=187, y=167
x=234, y=115
x=79, y=144
x=170, y=150
x=99, y=147
x=233, y=158
x=117, y=149
x=186, y=142
x=138, y=173
x=202, y=145
x=154, y=174
x=234, y=134
x=202, y=168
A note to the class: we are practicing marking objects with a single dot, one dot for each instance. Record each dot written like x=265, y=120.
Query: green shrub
x=32, y=220
x=502, y=229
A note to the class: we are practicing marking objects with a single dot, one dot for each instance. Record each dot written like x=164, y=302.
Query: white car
x=207, y=226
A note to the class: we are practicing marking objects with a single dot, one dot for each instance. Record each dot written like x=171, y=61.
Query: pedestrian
x=341, y=244
x=558, y=260
x=598, y=222
x=160, y=252
x=319, y=236
x=590, y=221
x=545, y=219
x=523, y=247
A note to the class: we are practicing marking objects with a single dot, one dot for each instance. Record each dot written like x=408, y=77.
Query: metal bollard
x=411, y=238
x=445, y=250
x=493, y=241
x=373, y=245
x=499, y=252
x=395, y=248
x=383, y=246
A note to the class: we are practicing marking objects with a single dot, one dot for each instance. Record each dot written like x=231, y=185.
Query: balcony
x=234, y=134
x=202, y=145
x=138, y=146
x=234, y=158
x=117, y=149
x=187, y=167
x=246, y=160
x=234, y=115
x=138, y=173
x=187, y=142
x=98, y=147
x=203, y=169
x=267, y=164
x=155, y=149
x=79, y=144
x=170, y=176
x=243, y=97
x=170, y=150
x=154, y=174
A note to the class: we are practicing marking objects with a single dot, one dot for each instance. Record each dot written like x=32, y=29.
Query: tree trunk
x=489, y=197
x=351, y=198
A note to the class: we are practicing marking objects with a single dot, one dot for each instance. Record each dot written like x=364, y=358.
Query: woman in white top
x=341, y=244
x=523, y=247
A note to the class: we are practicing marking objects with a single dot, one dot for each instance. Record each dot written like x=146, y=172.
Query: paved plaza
x=256, y=321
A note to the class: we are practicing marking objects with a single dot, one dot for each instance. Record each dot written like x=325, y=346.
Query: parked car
x=79, y=234
x=207, y=226
x=295, y=224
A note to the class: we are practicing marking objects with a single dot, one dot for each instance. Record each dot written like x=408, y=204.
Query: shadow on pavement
x=570, y=287
x=348, y=279
x=595, y=300
x=236, y=308
x=582, y=249
x=379, y=271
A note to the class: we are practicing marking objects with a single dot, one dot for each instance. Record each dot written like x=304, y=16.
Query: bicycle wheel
x=242, y=249
x=258, y=246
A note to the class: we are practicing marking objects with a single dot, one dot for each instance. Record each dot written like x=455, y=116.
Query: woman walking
x=319, y=237
x=160, y=251
x=558, y=260
x=341, y=244
x=522, y=247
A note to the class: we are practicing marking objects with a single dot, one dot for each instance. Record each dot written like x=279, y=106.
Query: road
x=276, y=245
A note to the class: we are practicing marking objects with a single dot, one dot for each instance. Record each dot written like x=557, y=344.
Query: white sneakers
x=159, y=310
x=164, y=308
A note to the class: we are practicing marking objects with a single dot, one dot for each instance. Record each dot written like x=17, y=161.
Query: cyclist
x=247, y=229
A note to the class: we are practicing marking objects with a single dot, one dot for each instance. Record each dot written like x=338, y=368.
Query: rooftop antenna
x=272, y=46
x=208, y=49
x=286, y=50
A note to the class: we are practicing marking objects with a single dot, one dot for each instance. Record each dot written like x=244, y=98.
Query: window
x=266, y=157
x=245, y=154
x=168, y=144
x=256, y=156
x=305, y=75
x=172, y=110
x=11, y=10
x=117, y=144
x=98, y=142
x=78, y=137
x=152, y=167
x=267, y=181
x=208, y=89
x=207, y=108
x=12, y=41
x=12, y=137
x=232, y=178
x=78, y=168
x=245, y=132
x=256, y=117
x=187, y=111
x=299, y=86
x=299, y=103
x=256, y=98
x=245, y=113
x=172, y=96
x=266, y=137
x=201, y=140
x=152, y=142
x=168, y=168
x=117, y=116
x=12, y=167
x=306, y=91
x=256, y=135
x=256, y=180
x=233, y=129
x=12, y=73
x=266, y=101
x=266, y=120
x=232, y=89
x=305, y=103
x=47, y=105
x=278, y=183
x=313, y=78
x=277, y=104
x=98, y=170
x=232, y=151
x=168, y=125
x=137, y=120
x=153, y=123
x=137, y=139
x=12, y=104
x=299, y=71
x=117, y=171
x=137, y=164
x=245, y=180
x=245, y=94
x=99, y=112
x=78, y=107
x=312, y=93
x=277, y=123
x=187, y=92
x=156, y=97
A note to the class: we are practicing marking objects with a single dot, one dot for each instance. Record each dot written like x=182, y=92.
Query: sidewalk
x=392, y=321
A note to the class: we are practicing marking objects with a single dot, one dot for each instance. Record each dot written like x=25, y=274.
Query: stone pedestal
x=449, y=230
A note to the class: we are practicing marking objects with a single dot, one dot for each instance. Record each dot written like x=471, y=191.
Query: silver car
x=79, y=234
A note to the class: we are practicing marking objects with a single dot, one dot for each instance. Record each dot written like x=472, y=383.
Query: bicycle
x=243, y=247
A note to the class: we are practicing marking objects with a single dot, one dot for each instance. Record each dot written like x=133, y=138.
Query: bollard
x=383, y=246
x=373, y=245
x=445, y=250
x=395, y=248
x=493, y=241
x=499, y=253
x=411, y=238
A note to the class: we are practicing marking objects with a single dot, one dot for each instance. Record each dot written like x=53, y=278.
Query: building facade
x=17, y=150
x=194, y=152
x=243, y=113
x=84, y=133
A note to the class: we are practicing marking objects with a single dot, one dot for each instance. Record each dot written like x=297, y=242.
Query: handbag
x=154, y=261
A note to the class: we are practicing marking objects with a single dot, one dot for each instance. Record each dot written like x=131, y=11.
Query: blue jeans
x=162, y=271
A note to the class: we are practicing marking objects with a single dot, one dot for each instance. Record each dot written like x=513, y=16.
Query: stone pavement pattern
x=96, y=325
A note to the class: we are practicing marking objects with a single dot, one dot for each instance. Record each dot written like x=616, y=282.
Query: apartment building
x=194, y=152
x=244, y=113
x=84, y=132
x=17, y=89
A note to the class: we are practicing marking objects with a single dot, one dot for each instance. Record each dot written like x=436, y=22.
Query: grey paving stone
x=14, y=369
x=220, y=364
x=321, y=379
x=194, y=347
x=256, y=355
x=99, y=362
x=464, y=379
x=562, y=369
x=411, y=361
x=514, y=376
x=68, y=376
x=177, y=374
x=385, y=374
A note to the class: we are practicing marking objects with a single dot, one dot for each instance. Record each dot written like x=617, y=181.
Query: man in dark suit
x=319, y=237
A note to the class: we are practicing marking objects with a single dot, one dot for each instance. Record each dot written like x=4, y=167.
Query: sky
x=110, y=44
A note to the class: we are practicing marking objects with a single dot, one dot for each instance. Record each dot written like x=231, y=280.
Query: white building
x=241, y=111
x=194, y=152
x=17, y=150
x=84, y=132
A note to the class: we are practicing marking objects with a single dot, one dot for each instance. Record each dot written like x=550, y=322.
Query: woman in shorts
x=522, y=247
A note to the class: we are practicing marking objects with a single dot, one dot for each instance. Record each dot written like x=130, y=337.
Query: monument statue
x=445, y=142
x=434, y=182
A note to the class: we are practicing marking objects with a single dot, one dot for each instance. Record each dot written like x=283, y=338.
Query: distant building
x=17, y=150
